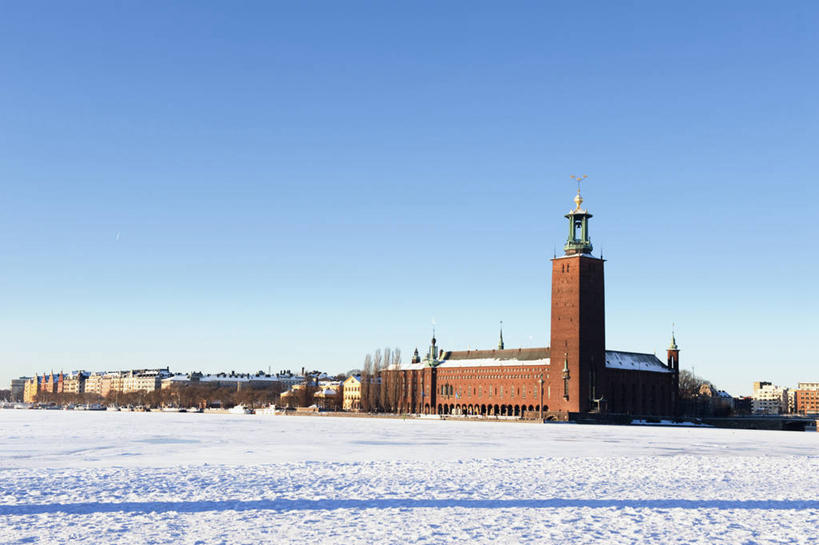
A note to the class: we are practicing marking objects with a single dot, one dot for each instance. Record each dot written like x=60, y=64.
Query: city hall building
x=576, y=374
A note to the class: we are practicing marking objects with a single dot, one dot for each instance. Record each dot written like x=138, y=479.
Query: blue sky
x=241, y=185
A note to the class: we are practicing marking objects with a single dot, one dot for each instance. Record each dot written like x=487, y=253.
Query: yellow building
x=352, y=394
x=74, y=383
x=326, y=398
x=93, y=383
x=30, y=390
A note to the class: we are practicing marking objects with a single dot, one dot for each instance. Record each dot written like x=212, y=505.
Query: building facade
x=50, y=383
x=74, y=383
x=806, y=401
x=18, y=388
x=352, y=393
x=576, y=374
x=769, y=399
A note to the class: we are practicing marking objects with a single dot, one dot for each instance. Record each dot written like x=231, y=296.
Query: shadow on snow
x=394, y=503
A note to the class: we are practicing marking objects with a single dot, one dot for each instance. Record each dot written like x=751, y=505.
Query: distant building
x=93, y=383
x=51, y=383
x=808, y=386
x=18, y=387
x=291, y=397
x=327, y=398
x=743, y=406
x=144, y=380
x=806, y=401
x=258, y=381
x=720, y=402
x=760, y=384
x=352, y=393
x=769, y=399
x=74, y=383
x=112, y=383
x=175, y=381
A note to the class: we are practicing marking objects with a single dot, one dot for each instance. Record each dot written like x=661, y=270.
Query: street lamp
x=540, y=383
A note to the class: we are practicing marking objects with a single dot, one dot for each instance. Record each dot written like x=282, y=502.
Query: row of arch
x=519, y=411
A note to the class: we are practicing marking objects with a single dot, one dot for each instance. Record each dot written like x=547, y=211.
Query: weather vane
x=579, y=180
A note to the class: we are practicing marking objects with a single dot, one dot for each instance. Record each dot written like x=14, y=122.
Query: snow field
x=246, y=479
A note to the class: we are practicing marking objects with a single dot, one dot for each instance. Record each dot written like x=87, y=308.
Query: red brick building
x=806, y=401
x=575, y=375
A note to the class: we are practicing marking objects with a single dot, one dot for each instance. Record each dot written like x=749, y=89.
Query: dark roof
x=521, y=354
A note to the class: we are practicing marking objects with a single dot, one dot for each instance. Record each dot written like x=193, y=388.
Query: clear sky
x=237, y=185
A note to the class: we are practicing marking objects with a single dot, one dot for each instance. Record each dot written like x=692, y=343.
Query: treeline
x=381, y=392
x=694, y=402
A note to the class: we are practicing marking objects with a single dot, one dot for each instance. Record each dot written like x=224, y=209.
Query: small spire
x=578, y=200
x=500, y=342
x=673, y=340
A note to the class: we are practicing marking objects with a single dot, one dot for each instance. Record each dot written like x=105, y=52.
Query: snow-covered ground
x=82, y=477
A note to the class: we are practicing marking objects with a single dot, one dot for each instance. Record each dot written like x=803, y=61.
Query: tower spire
x=673, y=339
x=578, y=200
x=578, y=241
x=500, y=342
x=432, y=355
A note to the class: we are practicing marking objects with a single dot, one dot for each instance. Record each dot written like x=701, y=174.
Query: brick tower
x=674, y=365
x=578, y=332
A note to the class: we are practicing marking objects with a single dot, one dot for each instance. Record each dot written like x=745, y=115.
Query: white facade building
x=770, y=399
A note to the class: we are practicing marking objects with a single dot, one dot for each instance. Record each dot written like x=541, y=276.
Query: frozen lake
x=69, y=477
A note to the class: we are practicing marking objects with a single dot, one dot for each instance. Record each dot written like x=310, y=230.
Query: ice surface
x=201, y=478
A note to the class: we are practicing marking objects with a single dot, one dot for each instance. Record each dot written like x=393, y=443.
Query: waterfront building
x=769, y=399
x=143, y=380
x=352, y=393
x=576, y=374
x=93, y=383
x=806, y=401
x=74, y=382
x=48, y=383
x=18, y=387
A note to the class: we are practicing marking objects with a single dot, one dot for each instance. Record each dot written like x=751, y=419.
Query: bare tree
x=366, y=376
x=690, y=384
x=397, y=381
x=383, y=390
